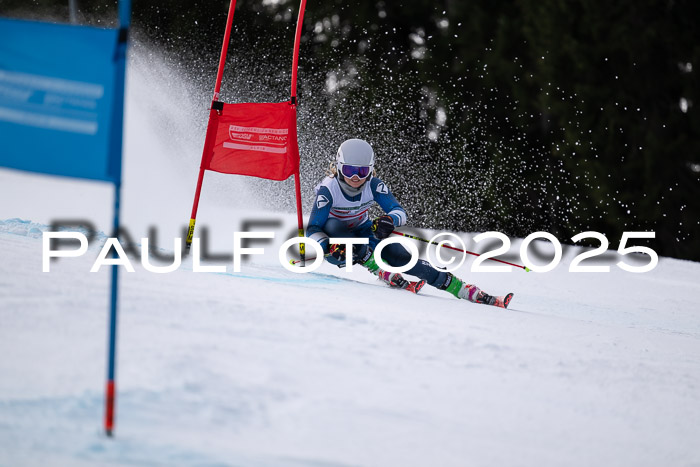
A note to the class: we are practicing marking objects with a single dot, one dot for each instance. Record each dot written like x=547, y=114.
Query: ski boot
x=396, y=280
x=393, y=279
x=474, y=294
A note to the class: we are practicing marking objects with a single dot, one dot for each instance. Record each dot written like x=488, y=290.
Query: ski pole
x=457, y=249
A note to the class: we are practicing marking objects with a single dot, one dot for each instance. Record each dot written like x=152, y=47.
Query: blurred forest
x=553, y=115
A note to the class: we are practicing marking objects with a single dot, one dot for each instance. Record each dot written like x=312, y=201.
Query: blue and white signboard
x=61, y=98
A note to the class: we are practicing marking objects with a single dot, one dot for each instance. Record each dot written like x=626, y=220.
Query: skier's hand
x=383, y=226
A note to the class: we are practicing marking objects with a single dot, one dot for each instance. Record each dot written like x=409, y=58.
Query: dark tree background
x=554, y=115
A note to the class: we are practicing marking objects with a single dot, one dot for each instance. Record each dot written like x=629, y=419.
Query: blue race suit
x=337, y=214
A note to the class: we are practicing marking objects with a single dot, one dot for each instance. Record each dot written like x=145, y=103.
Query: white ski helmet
x=355, y=157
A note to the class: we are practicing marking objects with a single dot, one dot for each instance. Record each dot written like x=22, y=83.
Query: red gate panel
x=259, y=140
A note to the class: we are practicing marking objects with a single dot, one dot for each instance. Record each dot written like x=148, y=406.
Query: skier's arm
x=319, y=216
x=387, y=201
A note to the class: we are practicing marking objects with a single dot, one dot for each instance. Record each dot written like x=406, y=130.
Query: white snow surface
x=270, y=368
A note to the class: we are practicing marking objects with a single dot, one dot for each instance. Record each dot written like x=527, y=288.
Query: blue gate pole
x=112, y=349
x=124, y=14
x=116, y=171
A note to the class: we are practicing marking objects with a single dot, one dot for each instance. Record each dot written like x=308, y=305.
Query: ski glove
x=383, y=226
x=338, y=254
x=337, y=251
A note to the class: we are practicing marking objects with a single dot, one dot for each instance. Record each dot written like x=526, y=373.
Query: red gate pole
x=297, y=178
x=217, y=89
x=295, y=59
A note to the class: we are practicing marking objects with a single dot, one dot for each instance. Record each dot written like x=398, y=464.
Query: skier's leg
x=461, y=289
x=336, y=229
x=396, y=255
x=364, y=255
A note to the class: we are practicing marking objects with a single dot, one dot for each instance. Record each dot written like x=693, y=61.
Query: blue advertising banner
x=61, y=99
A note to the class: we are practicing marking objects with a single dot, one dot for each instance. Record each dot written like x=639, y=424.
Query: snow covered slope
x=267, y=367
x=270, y=368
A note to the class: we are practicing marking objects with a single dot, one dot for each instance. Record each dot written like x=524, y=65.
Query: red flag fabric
x=258, y=139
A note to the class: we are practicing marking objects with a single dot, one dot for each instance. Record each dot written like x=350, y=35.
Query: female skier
x=340, y=210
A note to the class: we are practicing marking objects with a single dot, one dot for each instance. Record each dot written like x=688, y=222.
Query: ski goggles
x=362, y=171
